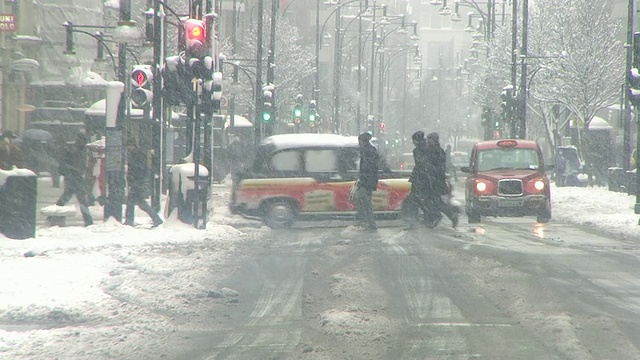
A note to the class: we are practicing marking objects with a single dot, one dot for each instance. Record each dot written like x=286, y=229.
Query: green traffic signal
x=312, y=117
x=297, y=112
x=266, y=117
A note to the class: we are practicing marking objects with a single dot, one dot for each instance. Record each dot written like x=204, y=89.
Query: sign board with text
x=8, y=23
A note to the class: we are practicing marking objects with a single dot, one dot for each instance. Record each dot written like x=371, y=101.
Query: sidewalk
x=48, y=195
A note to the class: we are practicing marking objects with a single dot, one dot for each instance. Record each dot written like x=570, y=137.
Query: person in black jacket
x=367, y=181
x=137, y=184
x=73, y=168
x=419, y=179
x=438, y=187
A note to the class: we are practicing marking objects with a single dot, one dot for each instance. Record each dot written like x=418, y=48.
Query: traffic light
x=297, y=110
x=486, y=116
x=141, y=79
x=267, y=106
x=312, y=116
x=212, y=93
x=195, y=36
x=174, y=81
x=507, y=103
x=69, y=38
x=634, y=74
x=370, y=124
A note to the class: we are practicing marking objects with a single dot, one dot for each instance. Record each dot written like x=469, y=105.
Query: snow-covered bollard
x=57, y=215
x=18, y=193
x=182, y=194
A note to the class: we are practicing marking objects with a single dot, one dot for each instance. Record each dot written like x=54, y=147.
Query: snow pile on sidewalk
x=106, y=284
x=596, y=207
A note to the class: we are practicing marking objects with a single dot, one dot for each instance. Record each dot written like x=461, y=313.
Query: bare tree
x=585, y=70
x=294, y=63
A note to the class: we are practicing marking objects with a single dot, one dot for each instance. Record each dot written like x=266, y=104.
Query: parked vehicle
x=569, y=167
x=507, y=178
x=309, y=176
x=459, y=159
x=407, y=162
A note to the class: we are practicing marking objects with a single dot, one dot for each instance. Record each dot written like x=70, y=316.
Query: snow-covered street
x=110, y=291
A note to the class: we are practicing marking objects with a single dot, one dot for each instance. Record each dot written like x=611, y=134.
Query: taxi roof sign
x=507, y=143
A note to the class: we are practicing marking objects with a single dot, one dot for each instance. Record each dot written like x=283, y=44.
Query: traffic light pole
x=157, y=105
x=522, y=128
x=114, y=156
x=627, y=116
x=514, y=60
x=258, y=124
x=271, y=67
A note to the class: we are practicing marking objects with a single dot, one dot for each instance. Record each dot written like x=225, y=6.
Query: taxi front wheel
x=544, y=215
x=279, y=214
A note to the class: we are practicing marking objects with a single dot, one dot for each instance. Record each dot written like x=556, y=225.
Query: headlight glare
x=481, y=186
x=539, y=185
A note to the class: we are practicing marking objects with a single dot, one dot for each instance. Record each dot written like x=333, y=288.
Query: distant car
x=507, y=178
x=569, y=167
x=459, y=159
x=407, y=162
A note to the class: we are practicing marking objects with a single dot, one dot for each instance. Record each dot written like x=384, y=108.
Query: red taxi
x=507, y=178
x=309, y=176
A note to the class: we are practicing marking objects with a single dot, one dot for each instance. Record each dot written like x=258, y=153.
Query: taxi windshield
x=508, y=159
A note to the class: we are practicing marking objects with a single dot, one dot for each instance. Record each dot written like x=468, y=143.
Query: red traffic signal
x=195, y=31
x=141, y=76
x=141, y=94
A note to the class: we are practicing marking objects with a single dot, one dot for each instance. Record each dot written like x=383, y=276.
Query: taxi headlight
x=481, y=186
x=539, y=185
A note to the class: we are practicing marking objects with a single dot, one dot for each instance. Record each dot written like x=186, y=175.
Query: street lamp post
x=337, y=54
x=258, y=124
x=114, y=156
x=522, y=126
x=271, y=65
x=157, y=139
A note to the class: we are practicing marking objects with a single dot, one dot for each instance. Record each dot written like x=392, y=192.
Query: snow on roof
x=288, y=141
x=4, y=174
x=598, y=123
x=238, y=121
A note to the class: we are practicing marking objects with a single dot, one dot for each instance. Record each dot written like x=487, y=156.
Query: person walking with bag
x=367, y=182
x=419, y=178
x=137, y=185
x=438, y=187
x=73, y=168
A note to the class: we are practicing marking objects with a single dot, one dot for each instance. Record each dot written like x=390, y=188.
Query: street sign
x=8, y=23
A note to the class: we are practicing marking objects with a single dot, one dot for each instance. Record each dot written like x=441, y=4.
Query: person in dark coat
x=419, y=177
x=11, y=154
x=73, y=168
x=438, y=187
x=137, y=184
x=367, y=182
